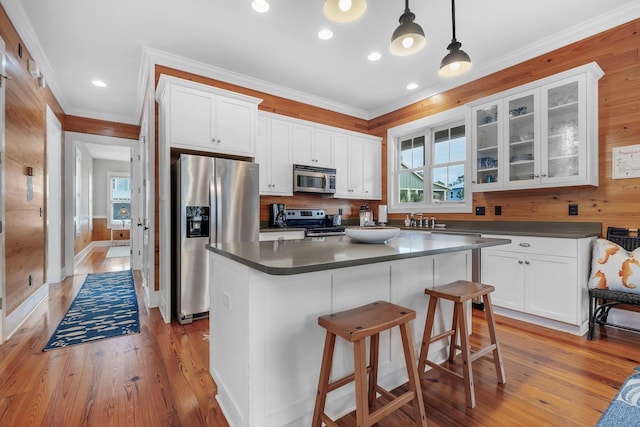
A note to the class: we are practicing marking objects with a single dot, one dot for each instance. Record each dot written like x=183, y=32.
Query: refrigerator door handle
x=215, y=201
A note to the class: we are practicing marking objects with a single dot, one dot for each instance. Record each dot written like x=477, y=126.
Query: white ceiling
x=75, y=42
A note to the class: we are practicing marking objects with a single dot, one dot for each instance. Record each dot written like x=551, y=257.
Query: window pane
x=448, y=183
x=449, y=146
x=458, y=149
x=120, y=189
x=411, y=187
x=412, y=153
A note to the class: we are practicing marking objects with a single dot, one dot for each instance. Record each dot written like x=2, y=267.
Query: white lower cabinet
x=544, y=279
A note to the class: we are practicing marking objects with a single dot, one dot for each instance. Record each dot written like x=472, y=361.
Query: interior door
x=3, y=296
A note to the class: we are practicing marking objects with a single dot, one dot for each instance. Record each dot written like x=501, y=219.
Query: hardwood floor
x=160, y=377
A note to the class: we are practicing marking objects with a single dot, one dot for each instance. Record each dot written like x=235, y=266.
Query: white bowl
x=372, y=234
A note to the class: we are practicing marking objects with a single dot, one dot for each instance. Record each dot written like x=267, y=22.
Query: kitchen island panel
x=267, y=364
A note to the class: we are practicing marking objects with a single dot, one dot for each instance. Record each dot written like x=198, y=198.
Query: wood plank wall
x=25, y=140
x=25, y=146
x=100, y=231
x=613, y=202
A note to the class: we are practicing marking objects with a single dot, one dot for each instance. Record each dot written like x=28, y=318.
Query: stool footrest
x=344, y=381
x=443, y=369
x=441, y=336
x=481, y=352
x=396, y=403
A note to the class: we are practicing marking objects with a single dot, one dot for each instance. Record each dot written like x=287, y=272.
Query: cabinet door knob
x=536, y=176
x=519, y=261
x=527, y=262
x=473, y=182
x=544, y=174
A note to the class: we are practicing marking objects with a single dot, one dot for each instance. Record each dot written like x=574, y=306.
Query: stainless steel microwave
x=313, y=179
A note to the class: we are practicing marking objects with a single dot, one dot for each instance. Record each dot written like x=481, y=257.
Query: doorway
x=93, y=222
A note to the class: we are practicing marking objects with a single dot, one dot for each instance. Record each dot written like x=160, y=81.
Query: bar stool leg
x=466, y=358
x=454, y=338
x=373, y=373
x=412, y=370
x=323, y=382
x=426, y=337
x=360, y=371
x=497, y=354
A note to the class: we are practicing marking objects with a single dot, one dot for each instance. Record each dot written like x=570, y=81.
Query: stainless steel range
x=314, y=221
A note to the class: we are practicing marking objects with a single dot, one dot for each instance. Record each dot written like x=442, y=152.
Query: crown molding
x=25, y=31
x=152, y=57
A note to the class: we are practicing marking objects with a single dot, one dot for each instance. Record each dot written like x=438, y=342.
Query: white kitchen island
x=266, y=345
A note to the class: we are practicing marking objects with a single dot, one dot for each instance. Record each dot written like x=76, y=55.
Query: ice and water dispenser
x=197, y=221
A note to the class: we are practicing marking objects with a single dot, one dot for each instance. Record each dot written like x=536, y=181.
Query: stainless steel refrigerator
x=214, y=200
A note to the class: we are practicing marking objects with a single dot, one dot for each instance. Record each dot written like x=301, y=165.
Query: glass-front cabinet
x=522, y=136
x=543, y=134
x=487, y=133
x=564, y=131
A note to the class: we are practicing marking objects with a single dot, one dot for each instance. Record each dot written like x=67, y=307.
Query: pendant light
x=408, y=38
x=344, y=11
x=457, y=61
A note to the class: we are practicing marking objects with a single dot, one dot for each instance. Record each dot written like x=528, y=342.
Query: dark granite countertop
x=571, y=230
x=285, y=257
x=280, y=229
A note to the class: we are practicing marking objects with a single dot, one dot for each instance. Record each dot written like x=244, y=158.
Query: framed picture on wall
x=626, y=162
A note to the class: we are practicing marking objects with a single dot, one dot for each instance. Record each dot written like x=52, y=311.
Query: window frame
x=110, y=201
x=427, y=126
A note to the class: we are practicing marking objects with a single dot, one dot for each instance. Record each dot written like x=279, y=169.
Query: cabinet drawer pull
x=525, y=245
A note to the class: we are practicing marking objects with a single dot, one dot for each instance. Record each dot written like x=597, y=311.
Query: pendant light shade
x=457, y=61
x=344, y=11
x=408, y=38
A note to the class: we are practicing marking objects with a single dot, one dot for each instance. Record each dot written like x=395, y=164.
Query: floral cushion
x=614, y=268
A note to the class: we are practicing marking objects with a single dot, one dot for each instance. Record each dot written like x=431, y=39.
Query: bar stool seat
x=460, y=292
x=355, y=326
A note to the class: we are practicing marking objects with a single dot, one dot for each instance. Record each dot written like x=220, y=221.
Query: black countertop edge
x=310, y=268
x=276, y=229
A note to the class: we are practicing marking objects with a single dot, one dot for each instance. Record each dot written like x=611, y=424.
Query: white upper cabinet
x=358, y=167
x=312, y=146
x=204, y=118
x=543, y=134
x=273, y=154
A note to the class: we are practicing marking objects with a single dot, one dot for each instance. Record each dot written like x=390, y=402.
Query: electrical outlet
x=480, y=210
x=498, y=210
x=573, y=209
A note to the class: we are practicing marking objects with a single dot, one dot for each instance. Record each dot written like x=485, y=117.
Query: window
x=119, y=203
x=428, y=161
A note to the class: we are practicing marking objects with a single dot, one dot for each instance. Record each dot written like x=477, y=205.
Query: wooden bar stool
x=354, y=326
x=460, y=292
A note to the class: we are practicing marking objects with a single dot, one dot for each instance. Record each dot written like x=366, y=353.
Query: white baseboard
x=22, y=312
x=83, y=253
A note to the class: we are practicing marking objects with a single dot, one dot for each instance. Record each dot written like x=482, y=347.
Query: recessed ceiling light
x=374, y=56
x=99, y=83
x=325, y=34
x=412, y=86
x=260, y=6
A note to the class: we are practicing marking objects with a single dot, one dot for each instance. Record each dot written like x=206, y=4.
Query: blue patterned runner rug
x=106, y=306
